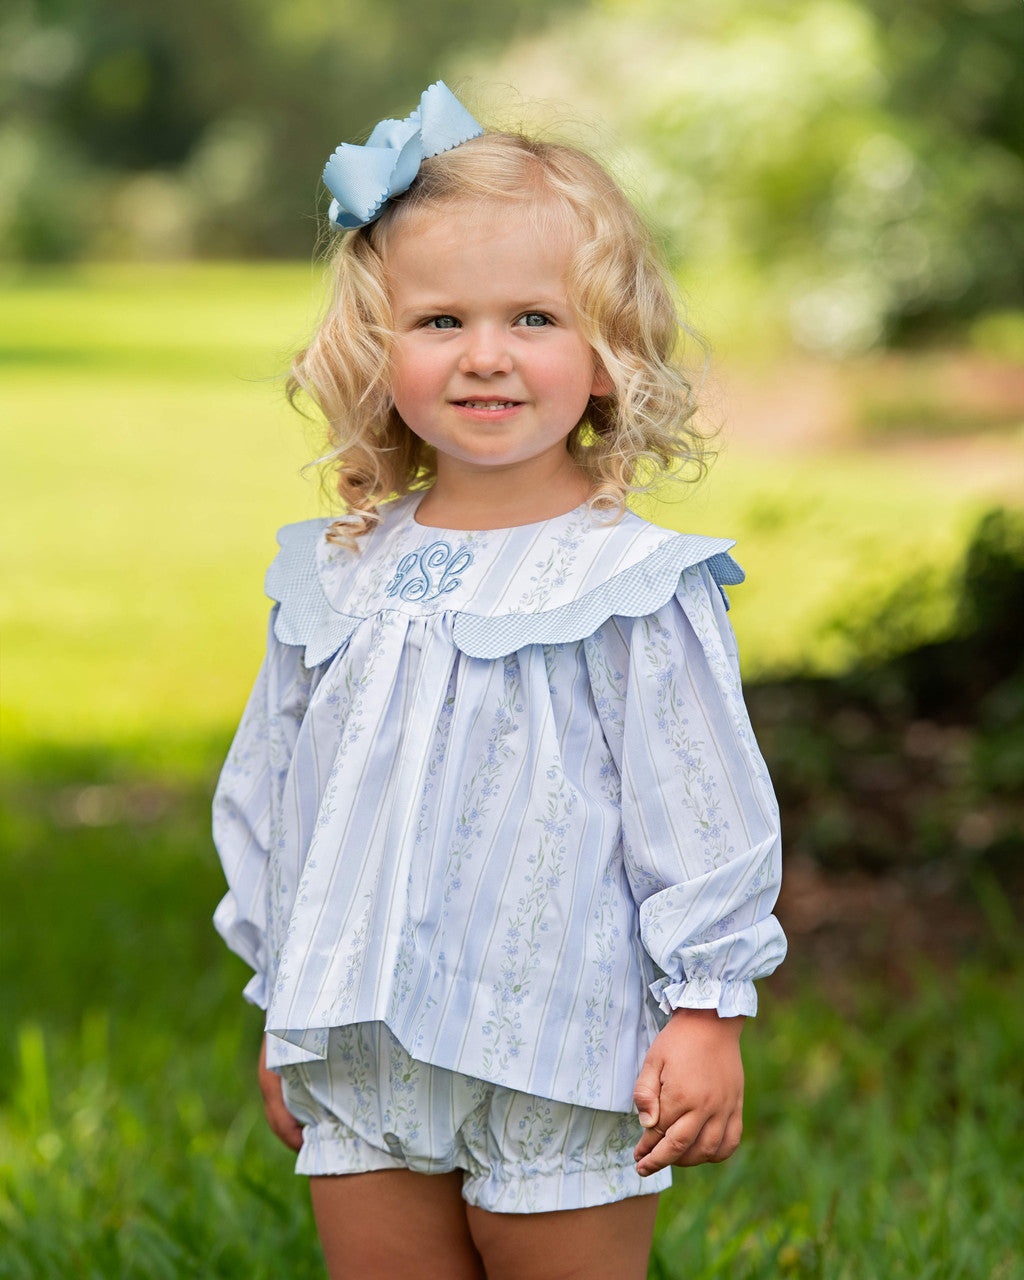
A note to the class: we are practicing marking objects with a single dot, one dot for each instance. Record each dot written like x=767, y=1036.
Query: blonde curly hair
x=616, y=283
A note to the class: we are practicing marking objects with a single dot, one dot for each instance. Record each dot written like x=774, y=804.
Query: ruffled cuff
x=731, y=999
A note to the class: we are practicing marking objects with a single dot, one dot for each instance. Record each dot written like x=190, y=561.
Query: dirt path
x=957, y=413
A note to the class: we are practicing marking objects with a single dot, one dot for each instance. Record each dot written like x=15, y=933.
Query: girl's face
x=489, y=365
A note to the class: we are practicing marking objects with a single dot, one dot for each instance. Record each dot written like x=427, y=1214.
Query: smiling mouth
x=493, y=405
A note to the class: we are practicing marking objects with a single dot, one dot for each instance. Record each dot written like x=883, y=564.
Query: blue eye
x=533, y=320
x=442, y=322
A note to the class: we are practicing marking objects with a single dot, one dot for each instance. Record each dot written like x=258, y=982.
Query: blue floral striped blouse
x=499, y=791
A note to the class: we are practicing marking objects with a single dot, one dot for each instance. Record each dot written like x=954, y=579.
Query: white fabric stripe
x=477, y=926
x=396, y=833
x=440, y=859
x=539, y=657
x=512, y=867
x=314, y=917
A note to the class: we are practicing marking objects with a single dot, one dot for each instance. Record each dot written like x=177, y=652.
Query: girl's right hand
x=279, y=1117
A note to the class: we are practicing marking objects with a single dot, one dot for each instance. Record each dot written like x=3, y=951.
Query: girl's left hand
x=690, y=1092
x=279, y=1117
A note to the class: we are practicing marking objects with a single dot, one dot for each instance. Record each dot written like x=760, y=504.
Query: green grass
x=149, y=456
x=882, y=1121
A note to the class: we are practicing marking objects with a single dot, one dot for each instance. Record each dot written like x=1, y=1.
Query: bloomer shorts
x=369, y=1105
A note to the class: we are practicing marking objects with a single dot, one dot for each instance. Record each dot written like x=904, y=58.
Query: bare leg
x=394, y=1223
x=606, y=1242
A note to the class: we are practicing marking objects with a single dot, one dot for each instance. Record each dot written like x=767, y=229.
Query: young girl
x=500, y=846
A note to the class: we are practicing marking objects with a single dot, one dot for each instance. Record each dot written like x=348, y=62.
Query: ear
x=602, y=384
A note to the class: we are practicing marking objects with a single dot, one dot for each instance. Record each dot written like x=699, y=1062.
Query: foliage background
x=838, y=186
x=857, y=164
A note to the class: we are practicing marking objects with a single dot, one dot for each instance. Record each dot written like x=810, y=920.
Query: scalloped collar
x=528, y=568
x=548, y=583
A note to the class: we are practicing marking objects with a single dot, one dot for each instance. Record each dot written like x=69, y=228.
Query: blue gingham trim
x=634, y=593
x=304, y=616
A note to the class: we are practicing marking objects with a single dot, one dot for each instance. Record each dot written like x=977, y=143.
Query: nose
x=485, y=351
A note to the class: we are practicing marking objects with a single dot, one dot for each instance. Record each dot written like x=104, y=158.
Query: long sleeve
x=247, y=804
x=700, y=821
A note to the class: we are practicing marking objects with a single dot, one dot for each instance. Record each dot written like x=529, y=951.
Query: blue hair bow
x=363, y=179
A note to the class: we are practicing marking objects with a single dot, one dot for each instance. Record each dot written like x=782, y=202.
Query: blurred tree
x=953, y=71
x=847, y=167
x=122, y=106
x=912, y=759
x=203, y=126
x=956, y=66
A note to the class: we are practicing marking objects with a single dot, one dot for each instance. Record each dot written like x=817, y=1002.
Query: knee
x=607, y=1242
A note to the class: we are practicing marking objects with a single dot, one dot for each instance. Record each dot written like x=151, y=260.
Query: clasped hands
x=689, y=1094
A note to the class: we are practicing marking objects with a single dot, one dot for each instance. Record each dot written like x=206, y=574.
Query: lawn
x=883, y=1119
x=148, y=458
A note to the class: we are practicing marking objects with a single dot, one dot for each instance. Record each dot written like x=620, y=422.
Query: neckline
x=508, y=528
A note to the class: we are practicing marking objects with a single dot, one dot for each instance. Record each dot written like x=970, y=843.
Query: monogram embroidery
x=431, y=572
